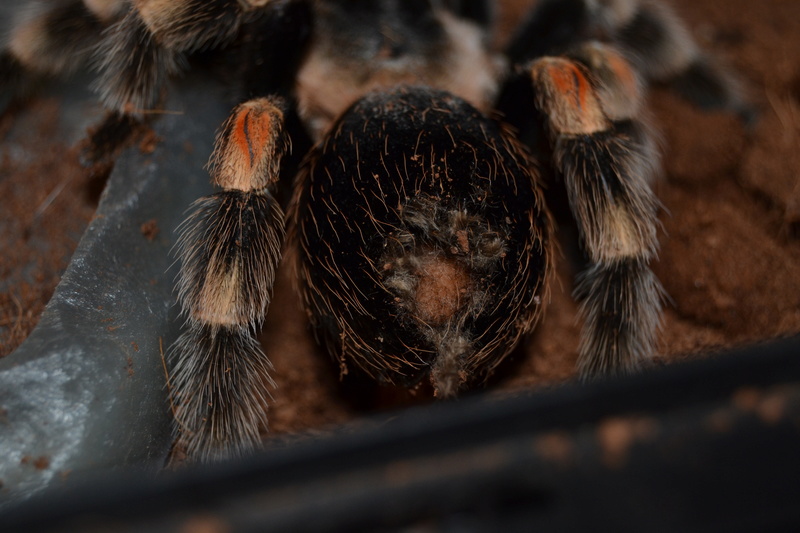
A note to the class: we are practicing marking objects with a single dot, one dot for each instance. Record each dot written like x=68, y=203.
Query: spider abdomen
x=423, y=244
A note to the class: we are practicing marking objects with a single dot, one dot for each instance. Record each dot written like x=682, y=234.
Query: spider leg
x=229, y=247
x=661, y=48
x=149, y=43
x=608, y=161
x=51, y=40
x=152, y=40
x=650, y=35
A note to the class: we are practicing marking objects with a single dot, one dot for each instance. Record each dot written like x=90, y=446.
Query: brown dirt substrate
x=730, y=245
x=47, y=200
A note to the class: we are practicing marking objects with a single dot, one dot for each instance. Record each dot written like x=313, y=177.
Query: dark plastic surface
x=705, y=446
x=86, y=391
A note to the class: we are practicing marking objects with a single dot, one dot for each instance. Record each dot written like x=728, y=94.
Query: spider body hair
x=442, y=246
x=414, y=45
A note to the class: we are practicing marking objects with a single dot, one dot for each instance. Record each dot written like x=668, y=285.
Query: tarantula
x=419, y=233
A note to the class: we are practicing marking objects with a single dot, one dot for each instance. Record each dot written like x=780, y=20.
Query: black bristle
x=219, y=388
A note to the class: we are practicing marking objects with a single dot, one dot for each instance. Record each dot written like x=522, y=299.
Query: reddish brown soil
x=730, y=245
x=47, y=201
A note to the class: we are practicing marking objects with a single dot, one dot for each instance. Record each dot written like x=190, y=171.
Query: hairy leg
x=229, y=249
x=608, y=161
